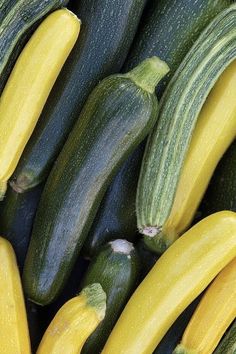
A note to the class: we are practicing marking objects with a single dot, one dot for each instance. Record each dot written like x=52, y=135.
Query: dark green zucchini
x=16, y=219
x=16, y=28
x=116, y=217
x=116, y=268
x=108, y=30
x=168, y=29
x=221, y=193
x=228, y=343
x=117, y=116
x=5, y=7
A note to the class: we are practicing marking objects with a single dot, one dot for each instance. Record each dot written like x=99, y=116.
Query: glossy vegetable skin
x=167, y=29
x=16, y=28
x=116, y=268
x=173, y=283
x=17, y=212
x=221, y=194
x=228, y=343
x=14, y=334
x=215, y=312
x=168, y=144
x=117, y=116
x=214, y=132
x=109, y=27
x=74, y=322
x=29, y=85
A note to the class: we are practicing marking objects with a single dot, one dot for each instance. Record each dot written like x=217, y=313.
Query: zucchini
x=29, y=85
x=16, y=219
x=116, y=269
x=167, y=146
x=117, y=116
x=173, y=283
x=228, y=343
x=14, y=334
x=116, y=216
x=16, y=28
x=214, y=132
x=108, y=30
x=221, y=194
x=214, y=314
x=168, y=29
x=5, y=7
x=74, y=322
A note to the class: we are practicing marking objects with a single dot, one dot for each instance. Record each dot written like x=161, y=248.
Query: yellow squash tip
x=96, y=298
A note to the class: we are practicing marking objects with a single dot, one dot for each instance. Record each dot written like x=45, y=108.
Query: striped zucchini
x=214, y=132
x=29, y=85
x=5, y=7
x=178, y=277
x=184, y=97
x=228, y=343
x=74, y=322
x=116, y=268
x=14, y=333
x=16, y=28
x=214, y=314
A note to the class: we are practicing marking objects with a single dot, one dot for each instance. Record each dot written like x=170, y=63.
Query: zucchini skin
x=167, y=146
x=228, y=343
x=16, y=219
x=170, y=286
x=115, y=119
x=155, y=36
x=5, y=7
x=117, y=271
x=108, y=30
x=221, y=193
x=16, y=29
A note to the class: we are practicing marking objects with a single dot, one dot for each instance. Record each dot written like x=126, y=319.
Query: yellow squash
x=29, y=85
x=214, y=314
x=14, y=334
x=74, y=322
x=214, y=132
x=178, y=277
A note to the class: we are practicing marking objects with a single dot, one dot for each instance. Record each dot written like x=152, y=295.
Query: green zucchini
x=5, y=7
x=16, y=28
x=228, y=343
x=167, y=146
x=108, y=30
x=116, y=268
x=168, y=29
x=117, y=116
x=221, y=193
x=16, y=219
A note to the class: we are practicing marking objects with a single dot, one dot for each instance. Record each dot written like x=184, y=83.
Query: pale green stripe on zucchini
x=214, y=50
x=228, y=343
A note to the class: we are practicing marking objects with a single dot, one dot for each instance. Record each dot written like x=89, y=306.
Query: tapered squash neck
x=180, y=349
x=148, y=73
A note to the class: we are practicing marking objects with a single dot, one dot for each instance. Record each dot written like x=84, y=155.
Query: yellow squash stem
x=74, y=322
x=29, y=85
x=215, y=312
x=14, y=334
x=178, y=277
x=214, y=132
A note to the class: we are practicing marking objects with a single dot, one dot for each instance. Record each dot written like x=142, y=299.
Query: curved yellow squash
x=14, y=334
x=74, y=322
x=178, y=277
x=29, y=85
x=214, y=132
x=215, y=312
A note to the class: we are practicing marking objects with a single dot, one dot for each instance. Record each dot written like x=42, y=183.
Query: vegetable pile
x=118, y=176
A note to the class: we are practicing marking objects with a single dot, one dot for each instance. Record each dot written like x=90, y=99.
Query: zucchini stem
x=122, y=246
x=96, y=298
x=148, y=73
